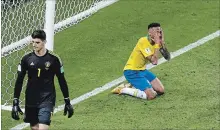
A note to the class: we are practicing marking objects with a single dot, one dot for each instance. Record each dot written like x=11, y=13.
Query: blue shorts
x=140, y=79
x=34, y=115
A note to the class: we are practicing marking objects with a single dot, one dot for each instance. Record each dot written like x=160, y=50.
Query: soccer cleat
x=128, y=85
x=118, y=89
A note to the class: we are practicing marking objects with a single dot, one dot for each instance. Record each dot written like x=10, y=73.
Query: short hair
x=39, y=34
x=153, y=25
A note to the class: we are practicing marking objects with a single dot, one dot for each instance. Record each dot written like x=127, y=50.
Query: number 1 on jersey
x=38, y=74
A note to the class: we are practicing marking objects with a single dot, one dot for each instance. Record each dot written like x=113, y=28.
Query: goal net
x=19, y=18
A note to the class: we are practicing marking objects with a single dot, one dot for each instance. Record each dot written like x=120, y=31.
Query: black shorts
x=35, y=115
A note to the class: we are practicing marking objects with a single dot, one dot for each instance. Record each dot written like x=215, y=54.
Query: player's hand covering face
x=155, y=34
x=16, y=110
x=163, y=50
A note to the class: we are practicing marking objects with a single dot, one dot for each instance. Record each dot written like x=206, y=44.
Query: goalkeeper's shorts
x=140, y=79
x=35, y=115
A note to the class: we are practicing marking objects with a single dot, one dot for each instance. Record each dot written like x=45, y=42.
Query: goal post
x=49, y=23
x=19, y=18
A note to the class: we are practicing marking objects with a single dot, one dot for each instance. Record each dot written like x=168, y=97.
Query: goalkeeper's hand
x=68, y=108
x=16, y=109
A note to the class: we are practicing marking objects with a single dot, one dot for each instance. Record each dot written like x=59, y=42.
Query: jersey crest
x=148, y=51
x=47, y=65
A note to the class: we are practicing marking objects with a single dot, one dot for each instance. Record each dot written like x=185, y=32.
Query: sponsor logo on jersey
x=32, y=64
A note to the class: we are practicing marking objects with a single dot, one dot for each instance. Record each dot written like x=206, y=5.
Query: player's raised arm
x=163, y=50
x=155, y=37
x=64, y=88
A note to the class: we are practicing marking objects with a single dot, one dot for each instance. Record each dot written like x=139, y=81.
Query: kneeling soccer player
x=143, y=83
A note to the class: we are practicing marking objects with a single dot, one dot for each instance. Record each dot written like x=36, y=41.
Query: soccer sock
x=134, y=92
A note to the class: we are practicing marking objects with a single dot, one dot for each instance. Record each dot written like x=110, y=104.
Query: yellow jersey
x=137, y=59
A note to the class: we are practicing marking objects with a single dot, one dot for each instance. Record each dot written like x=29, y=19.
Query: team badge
x=47, y=65
x=148, y=51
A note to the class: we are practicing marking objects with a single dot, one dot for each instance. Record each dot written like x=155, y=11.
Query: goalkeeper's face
x=38, y=44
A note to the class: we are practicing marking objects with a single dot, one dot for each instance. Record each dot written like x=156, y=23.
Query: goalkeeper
x=41, y=66
x=143, y=83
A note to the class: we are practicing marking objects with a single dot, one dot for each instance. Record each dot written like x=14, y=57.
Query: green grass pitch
x=95, y=51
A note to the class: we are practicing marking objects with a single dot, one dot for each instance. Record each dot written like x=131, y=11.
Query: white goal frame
x=50, y=29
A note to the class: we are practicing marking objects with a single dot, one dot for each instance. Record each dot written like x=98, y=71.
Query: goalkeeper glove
x=68, y=108
x=16, y=109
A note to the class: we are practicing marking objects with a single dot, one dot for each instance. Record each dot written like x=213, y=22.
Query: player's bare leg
x=35, y=127
x=43, y=127
x=157, y=86
x=151, y=94
x=39, y=127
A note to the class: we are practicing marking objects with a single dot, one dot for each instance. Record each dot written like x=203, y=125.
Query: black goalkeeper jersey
x=40, y=89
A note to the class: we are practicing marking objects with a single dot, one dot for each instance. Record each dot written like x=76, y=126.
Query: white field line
x=122, y=79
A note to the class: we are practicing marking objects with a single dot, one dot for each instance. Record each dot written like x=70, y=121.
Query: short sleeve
x=145, y=48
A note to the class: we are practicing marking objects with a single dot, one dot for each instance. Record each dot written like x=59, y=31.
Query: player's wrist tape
x=67, y=100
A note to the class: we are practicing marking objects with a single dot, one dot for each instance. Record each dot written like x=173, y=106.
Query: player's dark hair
x=153, y=25
x=39, y=34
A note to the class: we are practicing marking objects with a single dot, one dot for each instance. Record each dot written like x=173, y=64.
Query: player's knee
x=151, y=94
x=150, y=97
x=160, y=91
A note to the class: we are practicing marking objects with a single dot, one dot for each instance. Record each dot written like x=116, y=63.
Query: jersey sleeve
x=145, y=49
x=22, y=69
x=58, y=66
x=59, y=70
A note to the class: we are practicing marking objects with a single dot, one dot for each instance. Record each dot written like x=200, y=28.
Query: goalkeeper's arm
x=64, y=88
x=17, y=90
x=19, y=81
x=61, y=79
x=63, y=85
